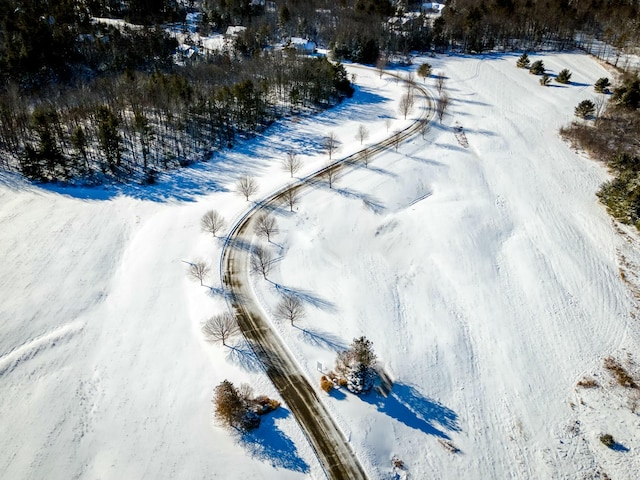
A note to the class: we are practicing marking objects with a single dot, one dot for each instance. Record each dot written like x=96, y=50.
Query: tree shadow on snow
x=618, y=447
x=308, y=297
x=240, y=354
x=369, y=201
x=407, y=405
x=268, y=443
x=322, y=339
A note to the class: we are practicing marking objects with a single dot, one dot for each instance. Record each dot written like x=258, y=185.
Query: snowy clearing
x=486, y=275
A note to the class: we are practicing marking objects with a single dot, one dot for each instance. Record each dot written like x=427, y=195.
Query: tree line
x=612, y=137
x=137, y=123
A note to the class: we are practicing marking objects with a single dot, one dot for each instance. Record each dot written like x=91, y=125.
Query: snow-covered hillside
x=477, y=260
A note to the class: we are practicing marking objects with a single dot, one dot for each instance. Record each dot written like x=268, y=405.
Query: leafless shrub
x=588, y=383
x=263, y=404
x=232, y=409
x=633, y=401
x=448, y=445
x=621, y=375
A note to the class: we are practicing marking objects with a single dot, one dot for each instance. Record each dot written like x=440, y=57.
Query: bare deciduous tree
x=440, y=80
x=362, y=134
x=265, y=225
x=406, y=104
x=247, y=186
x=198, y=270
x=387, y=123
x=424, y=129
x=396, y=139
x=212, y=222
x=261, y=260
x=410, y=82
x=381, y=64
x=220, y=328
x=331, y=174
x=291, y=198
x=600, y=104
x=290, y=308
x=366, y=157
x=331, y=143
x=232, y=409
x=441, y=105
x=291, y=163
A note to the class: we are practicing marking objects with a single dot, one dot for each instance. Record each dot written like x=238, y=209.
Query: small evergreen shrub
x=602, y=85
x=564, y=76
x=607, y=440
x=545, y=80
x=585, y=109
x=628, y=94
x=537, y=68
x=424, y=70
x=523, y=61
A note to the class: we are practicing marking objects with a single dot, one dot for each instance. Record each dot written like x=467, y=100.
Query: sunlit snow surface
x=476, y=259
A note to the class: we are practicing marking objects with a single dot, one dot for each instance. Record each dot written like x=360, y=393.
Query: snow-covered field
x=486, y=276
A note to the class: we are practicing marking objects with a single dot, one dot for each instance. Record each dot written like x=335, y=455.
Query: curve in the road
x=328, y=442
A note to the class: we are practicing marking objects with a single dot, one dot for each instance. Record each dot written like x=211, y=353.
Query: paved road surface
x=329, y=443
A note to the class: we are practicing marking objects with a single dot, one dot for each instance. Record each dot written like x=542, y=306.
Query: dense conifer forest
x=84, y=97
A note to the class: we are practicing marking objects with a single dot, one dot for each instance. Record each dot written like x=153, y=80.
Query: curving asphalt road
x=329, y=443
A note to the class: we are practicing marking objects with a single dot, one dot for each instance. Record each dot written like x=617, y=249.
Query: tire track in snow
x=31, y=348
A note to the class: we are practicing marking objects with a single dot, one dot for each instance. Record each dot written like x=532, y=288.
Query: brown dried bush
x=622, y=376
x=588, y=383
x=326, y=384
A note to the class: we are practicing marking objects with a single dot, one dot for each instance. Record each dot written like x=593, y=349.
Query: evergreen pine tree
x=523, y=61
x=564, y=76
x=585, y=108
x=602, y=85
x=537, y=68
x=356, y=365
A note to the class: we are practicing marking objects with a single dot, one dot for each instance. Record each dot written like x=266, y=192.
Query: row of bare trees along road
x=332, y=449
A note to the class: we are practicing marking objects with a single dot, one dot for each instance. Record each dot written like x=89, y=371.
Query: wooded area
x=81, y=97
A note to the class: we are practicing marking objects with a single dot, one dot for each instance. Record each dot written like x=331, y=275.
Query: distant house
x=432, y=7
x=234, y=30
x=303, y=45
